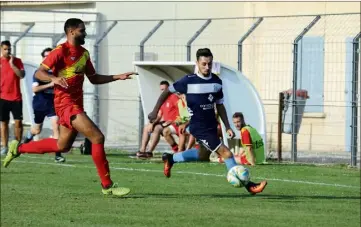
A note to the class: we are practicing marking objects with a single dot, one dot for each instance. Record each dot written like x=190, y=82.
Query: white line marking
x=82, y=161
x=189, y=173
x=45, y=163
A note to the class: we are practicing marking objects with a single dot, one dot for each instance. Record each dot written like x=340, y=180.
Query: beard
x=80, y=40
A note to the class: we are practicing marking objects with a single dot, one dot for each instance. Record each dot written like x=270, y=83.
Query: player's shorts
x=174, y=129
x=15, y=107
x=39, y=116
x=66, y=114
x=208, y=139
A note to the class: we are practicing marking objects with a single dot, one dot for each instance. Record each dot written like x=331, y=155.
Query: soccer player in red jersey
x=69, y=63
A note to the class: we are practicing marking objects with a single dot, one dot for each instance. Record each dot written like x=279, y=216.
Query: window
x=310, y=70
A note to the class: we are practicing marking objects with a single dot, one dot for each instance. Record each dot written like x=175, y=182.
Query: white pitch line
x=45, y=163
x=191, y=173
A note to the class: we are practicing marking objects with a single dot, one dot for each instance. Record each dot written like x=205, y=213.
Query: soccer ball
x=238, y=176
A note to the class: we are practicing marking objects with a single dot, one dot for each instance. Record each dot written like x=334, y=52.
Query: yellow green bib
x=257, y=145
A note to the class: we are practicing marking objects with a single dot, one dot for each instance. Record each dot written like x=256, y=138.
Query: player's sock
x=175, y=147
x=48, y=145
x=29, y=135
x=230, y=162
x=186, y=156
x=101, y=162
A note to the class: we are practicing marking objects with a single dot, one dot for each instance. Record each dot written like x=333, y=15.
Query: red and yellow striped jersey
x=72, y=63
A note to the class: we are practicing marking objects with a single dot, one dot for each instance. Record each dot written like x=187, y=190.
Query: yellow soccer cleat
x=115, y=190
x=12, y=153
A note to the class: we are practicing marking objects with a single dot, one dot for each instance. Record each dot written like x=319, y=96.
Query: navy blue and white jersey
x=202, y=93
x=43, y=100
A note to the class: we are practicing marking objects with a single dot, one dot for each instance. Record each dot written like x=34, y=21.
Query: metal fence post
x=99, y=39
x=56, y=38
x=30, y=26
x=243, y=38
x=294, y=87
x=141, y=45
x=198, y=32
x=6, y=9
x=355, y=81
x=37, y=34
x=141, y=57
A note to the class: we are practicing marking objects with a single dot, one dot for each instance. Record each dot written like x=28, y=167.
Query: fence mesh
x=324, y=69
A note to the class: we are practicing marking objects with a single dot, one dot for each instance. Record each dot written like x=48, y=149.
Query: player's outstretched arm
x=153, y=115
x=104, y=79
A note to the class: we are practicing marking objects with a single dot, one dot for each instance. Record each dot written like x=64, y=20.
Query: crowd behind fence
x=318, y=53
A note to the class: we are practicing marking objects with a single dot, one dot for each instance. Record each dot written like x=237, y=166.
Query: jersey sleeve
x=53, y=58
x=179, y=86
x=219, y=96
x=19, y=64
x=246, y=137
x=89, y=68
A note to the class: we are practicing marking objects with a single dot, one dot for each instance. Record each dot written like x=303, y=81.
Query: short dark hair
x=164, y=82
x=6, y=43
x=238, y=115
x=204, y=52
x=46, y=50
x=72, y=23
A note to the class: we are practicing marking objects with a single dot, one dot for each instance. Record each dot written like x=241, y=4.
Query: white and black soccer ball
x=238, y=176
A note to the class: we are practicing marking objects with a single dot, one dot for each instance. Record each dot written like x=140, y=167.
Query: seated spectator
x=252, y=143
x=165, y=125
x=182, y=118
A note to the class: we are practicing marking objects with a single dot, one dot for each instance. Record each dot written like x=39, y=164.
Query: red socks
x=51, y=145
x=100, y=161
x=175, y=147
x=39, y=147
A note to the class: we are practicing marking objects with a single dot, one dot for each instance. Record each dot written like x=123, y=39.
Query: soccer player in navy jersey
x=203, y=90
x=43, y=106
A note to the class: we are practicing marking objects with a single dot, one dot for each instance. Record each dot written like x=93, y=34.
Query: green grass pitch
x=35, y=191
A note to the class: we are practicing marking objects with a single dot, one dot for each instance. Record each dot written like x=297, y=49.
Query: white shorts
x=172, y=130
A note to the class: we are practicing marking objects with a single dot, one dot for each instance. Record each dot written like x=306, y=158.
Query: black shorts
x=208, y=139
x=15, y=107
x=39, y=116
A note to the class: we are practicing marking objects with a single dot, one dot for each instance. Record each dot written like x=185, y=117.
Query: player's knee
x=4, y=124
x=158, y=129
x=98, y=139
x=166, y=132
x=64, y=147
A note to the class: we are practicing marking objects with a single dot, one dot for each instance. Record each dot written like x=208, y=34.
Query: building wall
x=267, y=55
x=267, y=52
x=29, y=48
